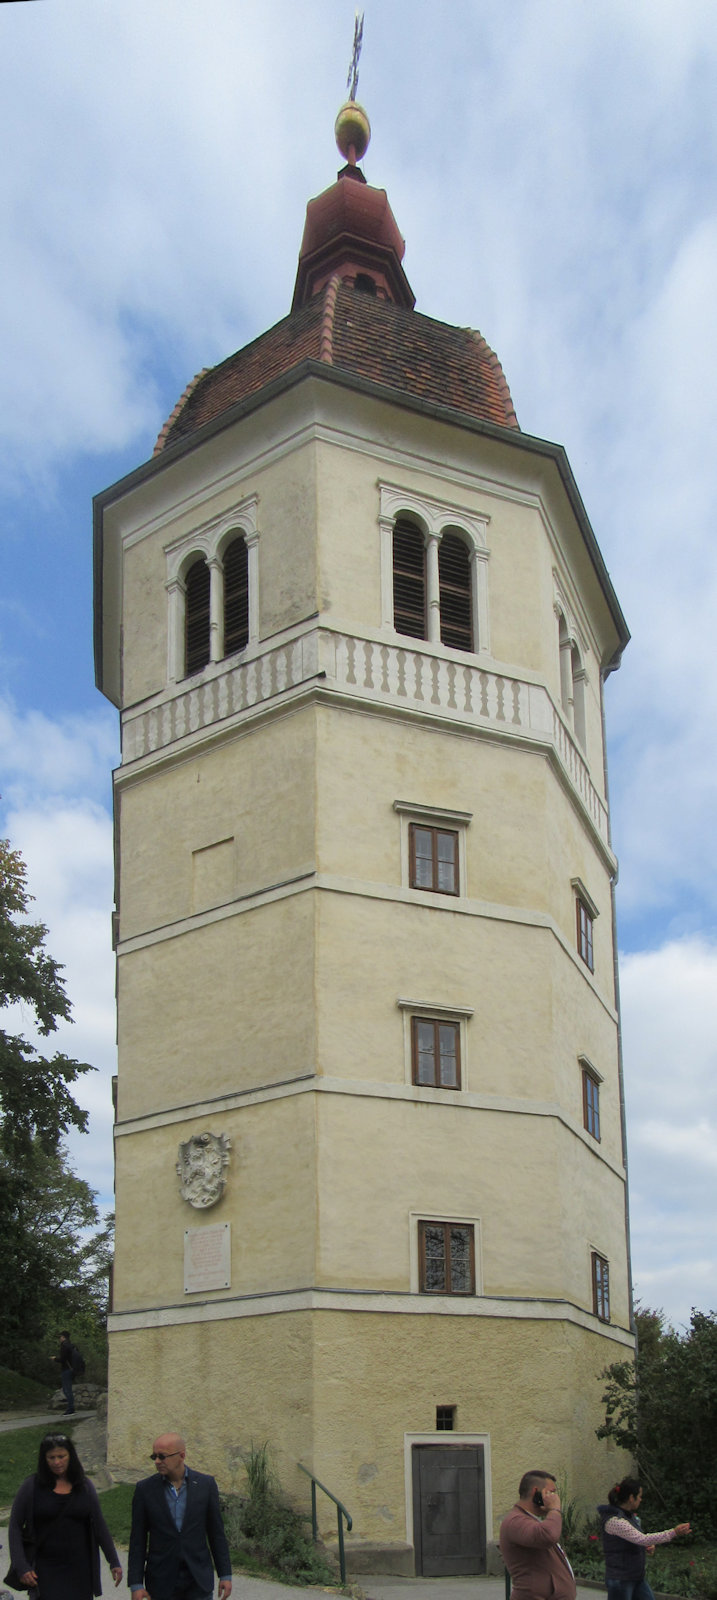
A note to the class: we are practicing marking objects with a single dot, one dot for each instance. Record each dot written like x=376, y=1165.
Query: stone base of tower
x=356, y=1398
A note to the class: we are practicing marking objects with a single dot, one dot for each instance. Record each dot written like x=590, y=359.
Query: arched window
x=454, y=584
x=578, y=676
x=236, y=597
x=409, y=579
x=572, y=681
x=196, y=628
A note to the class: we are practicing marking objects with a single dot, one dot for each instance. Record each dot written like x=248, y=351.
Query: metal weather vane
x=352, y=79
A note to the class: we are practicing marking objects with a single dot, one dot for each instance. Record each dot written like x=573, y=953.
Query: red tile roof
x=358, y=333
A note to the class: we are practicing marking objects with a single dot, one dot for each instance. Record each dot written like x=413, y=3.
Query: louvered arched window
x=236, y=597
x=409, y=579
x=454, y=583
x=196, y=634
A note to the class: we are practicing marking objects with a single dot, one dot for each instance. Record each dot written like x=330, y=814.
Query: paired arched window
x=423, y=586
x=204, y=609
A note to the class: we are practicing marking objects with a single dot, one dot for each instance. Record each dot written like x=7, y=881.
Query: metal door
x=448, y=1510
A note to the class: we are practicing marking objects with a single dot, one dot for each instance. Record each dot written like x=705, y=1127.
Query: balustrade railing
x=401, y=675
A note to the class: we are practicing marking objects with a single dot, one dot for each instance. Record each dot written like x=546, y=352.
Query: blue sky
x=553, y=168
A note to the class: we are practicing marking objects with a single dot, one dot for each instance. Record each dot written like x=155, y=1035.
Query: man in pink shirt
x=530, y=1542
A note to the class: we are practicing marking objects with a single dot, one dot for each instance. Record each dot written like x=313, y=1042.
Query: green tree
x=39, y=1257
x=663, y=1410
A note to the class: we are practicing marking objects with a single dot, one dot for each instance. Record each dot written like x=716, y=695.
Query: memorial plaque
x=207, y=1258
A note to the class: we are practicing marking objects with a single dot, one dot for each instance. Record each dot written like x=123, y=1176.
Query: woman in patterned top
x=625, y=1544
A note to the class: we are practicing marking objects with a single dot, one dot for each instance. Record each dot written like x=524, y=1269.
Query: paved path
x=375, y=1586
x=378, y=1586
x=39, y=1419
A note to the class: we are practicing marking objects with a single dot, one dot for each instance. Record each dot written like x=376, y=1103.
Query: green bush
x=683, y=1568
x=263, y=1529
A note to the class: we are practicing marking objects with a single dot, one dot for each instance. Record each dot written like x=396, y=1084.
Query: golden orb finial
x=353, y=131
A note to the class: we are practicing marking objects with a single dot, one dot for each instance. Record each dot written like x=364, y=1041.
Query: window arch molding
x=573, y=673
x=210, y=543
x=434, y=518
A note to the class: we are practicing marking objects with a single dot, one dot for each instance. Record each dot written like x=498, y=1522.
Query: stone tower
x=369, y=1145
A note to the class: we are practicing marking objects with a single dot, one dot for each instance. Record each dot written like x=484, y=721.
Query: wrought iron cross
x=352, y=80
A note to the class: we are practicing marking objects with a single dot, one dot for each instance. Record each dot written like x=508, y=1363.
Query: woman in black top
x=57, y=1529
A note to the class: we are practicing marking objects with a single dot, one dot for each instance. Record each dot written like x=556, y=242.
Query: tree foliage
x=51, y=1263
x=663, y=1410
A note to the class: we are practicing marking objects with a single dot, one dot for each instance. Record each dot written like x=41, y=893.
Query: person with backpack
x=71, y=1366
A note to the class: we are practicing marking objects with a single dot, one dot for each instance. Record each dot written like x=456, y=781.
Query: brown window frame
x=469, y=1229
x=585, y=931
x=434, y=830
x=436, y=1023
x=600, y=1268
x=591, y=1103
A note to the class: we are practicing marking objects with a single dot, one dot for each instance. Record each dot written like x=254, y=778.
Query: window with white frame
x=213, y=591
x=572, y=669
x=586, y=913
x=435, y=1044
x=600, y=1272
x=434, y=570
x=433, y=847
x=590, y=1081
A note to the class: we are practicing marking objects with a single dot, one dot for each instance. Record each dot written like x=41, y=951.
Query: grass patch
x=117, y=1510
x=17, y=1392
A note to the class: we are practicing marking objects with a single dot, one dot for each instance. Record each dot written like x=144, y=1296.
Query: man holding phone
x=530, y=1542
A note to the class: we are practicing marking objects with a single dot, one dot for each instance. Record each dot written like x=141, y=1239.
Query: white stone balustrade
x=402, y=675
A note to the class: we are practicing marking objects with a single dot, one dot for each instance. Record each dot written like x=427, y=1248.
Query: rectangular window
x=591, y=1103
x=446, y=1258
x=433, y=858
x=435, y=1053
x=445, y=1419
x=585, y=933
x=601, y=1287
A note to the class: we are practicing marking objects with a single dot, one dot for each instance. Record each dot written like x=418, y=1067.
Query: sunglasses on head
x=162, y=1455
x=55, y=1438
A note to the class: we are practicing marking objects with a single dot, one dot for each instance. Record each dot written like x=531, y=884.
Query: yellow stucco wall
x=267, y=935
x=340, y=1392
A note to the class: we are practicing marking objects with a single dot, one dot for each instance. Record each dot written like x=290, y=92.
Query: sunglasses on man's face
x=162, y=1455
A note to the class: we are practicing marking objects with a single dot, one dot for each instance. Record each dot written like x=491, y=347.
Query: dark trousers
x=66, y=1381
x=637, y=1590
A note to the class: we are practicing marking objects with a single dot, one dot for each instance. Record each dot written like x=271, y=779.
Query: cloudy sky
x=553, y=167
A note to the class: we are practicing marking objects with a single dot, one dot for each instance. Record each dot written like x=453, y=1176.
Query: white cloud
x=669, y=1005
x=50, y=757
x=53, y=769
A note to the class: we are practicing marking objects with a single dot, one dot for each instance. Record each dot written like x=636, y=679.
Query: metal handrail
x=340, y=1512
